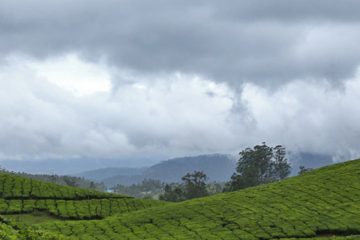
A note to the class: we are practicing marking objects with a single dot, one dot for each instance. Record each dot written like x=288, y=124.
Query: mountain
x=104, y=173
x=218, y=167
x=72, y=165
x=320, y=204
x=308, y=160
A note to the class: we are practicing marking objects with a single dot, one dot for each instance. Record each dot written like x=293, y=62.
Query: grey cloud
x=236, y=41
x=267, y=43
x=298, y=10
x=41, y=121
x=172, y=116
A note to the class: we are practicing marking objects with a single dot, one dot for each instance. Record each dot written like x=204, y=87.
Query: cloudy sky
x=120, y=79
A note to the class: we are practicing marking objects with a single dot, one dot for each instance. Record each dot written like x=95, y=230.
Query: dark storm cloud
x=235, y=41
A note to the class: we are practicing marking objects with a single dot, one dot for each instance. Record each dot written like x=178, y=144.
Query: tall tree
x=281, y=165
x=173, y=193
x=258, y=165
x=195, y=184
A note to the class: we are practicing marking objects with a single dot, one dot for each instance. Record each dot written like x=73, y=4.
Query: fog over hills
x=218, y=167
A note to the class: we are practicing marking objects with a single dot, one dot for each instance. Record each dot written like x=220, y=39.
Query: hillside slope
x=21, y=195
x=321, y=203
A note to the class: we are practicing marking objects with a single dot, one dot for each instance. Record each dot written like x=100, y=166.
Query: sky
x=148, y=80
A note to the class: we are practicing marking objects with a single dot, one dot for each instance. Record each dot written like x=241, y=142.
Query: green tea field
x=25, y=201
x=321, y=204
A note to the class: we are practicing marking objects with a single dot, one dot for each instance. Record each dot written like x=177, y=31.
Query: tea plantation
x=19, y=195
x=321, y=204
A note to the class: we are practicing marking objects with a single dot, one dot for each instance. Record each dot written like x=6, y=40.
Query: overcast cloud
x=125, y=78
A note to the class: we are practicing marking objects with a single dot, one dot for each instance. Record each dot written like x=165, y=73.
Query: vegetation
x=320, y=203
x=258, y=165
x=66, y=181
x=20, y=195
x=194, y=186
x=303, y=169
x=218, y=167
x=174, y=192
x=148, y=188
x=13, y=186
x=70, y=181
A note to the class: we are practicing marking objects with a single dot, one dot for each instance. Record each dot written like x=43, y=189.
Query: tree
x=281, y=165
x=303, y=169
x=148, y=188
x=173, y=193
x=195, y=184
x=70, y=181
x=258, y=165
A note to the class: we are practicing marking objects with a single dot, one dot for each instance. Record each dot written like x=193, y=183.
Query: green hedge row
x=82, y=209
x=16, y=187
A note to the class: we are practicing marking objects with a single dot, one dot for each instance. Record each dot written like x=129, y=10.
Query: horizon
x=76, y=166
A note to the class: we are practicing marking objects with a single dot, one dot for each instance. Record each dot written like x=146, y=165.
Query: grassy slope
x=317, y=204
x=21, y=195
x=13, y=186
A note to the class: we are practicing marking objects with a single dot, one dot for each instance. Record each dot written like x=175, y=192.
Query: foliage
x=7, y=232
x=215, y=187
x=76, y=209
x=14, y=186
x=316, y=205
x=154, y=189
x=258, y=165
x=20, y=195
x=173, y=192
x=149, y=188
x=66, y=181
x=303, y=169
x=193, y=186
x=322, y=204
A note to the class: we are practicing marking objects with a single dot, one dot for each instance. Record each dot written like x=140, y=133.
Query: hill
x=318, y=204
x=308, y=160
x=35, y=200
x=105, y=173
x=218, y=167
x=65, y=180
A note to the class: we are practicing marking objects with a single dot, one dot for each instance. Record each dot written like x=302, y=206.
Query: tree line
x=260, y=164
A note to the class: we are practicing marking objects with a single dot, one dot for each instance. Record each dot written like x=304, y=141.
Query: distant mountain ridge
x=218, y=167
x=103, y=173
